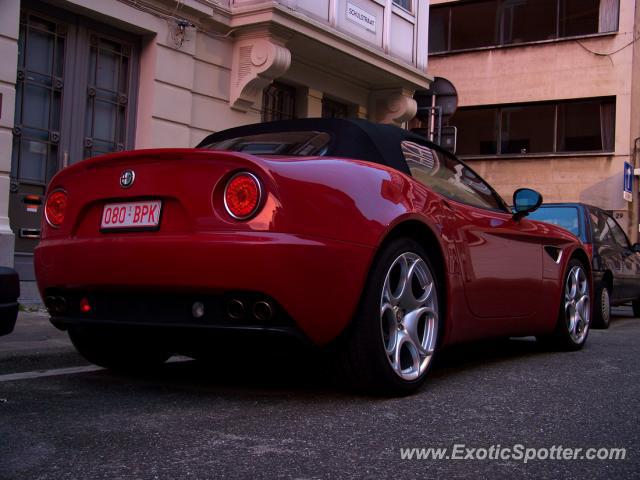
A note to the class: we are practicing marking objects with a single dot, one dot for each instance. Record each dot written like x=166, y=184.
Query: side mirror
x=525, y=201
x=636, y=247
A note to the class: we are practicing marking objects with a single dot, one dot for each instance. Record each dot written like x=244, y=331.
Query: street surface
x=284, y=417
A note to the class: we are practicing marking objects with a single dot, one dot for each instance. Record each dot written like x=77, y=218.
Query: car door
x=629, y=280
x=609, y=252
x=501, y=258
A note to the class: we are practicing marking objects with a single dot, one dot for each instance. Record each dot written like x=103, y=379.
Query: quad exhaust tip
x=235, y=309
x=263, y=311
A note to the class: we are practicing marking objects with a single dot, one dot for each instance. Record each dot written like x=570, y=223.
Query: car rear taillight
x=242, y=195
x=55, y=208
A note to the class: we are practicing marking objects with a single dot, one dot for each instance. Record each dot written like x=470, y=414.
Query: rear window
x=565, y=217
x=304, y=144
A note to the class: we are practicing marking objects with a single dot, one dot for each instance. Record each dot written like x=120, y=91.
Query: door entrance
x=73, y=100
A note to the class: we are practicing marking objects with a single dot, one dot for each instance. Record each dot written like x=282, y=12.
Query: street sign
x=628, y=182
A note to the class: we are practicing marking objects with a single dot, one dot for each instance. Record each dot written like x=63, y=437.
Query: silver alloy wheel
x=409, y=316
x=577, y=304
x=604, y=305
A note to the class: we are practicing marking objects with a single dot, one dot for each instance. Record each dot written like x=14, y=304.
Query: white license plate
x=131, y=215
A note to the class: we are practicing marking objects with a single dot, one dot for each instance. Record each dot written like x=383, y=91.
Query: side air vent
x=554, y=252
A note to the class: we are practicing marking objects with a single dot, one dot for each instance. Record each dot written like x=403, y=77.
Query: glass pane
x=438, y=30
x=40, y=52
x=35, y=134
x=107, y=74
x=529, y=21
x=104, y=121
x=579, y=17
x=527, y=129
x=33, y=160
x=21, y=46
x=406, y=4
x=36, y=107
x=18, y=114
x=579, y=126
x=92, y=66
x=477, y=131
x=52, y=163
x=100, y=147
x=474, y=25
x=565, y=217
x=59, y=72
x=618, y=235
x=447, y=176
x=124, y=75
x=280, y=143
x=55, y=111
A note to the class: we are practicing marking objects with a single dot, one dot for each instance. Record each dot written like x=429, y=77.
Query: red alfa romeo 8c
x=360, y=237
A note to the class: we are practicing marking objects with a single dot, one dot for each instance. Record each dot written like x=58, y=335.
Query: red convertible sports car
x=362, y=237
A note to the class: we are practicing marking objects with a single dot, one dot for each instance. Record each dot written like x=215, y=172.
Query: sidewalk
x=34, y=335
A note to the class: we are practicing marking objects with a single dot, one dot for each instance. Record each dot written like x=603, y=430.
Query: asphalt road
x=287, y=418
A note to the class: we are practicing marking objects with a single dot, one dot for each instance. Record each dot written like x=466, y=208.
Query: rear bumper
x=316, y=282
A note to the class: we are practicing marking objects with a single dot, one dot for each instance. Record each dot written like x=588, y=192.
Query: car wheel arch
x=423, y=234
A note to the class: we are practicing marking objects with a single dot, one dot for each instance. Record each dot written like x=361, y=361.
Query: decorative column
x=258, y=58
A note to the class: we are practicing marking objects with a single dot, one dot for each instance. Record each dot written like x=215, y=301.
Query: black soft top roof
x=351, y=138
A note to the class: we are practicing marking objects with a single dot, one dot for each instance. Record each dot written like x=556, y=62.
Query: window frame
x=499, y=109
x=408, y=9
x=613, y=226
x=500, y=34
x=502, y=205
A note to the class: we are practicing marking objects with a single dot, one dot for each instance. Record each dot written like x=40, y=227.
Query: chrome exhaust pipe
x=263, y=311
x=235, y=309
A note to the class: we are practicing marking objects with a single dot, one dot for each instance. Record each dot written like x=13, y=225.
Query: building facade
x=548, y=95
x=80, y=78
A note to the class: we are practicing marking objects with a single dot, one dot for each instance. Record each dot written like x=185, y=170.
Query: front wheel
x=389, y=346
x=117, y=350
x=574, y=318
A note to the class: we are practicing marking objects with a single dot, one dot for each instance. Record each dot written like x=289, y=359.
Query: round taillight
x=242, y=195
x=55, y=208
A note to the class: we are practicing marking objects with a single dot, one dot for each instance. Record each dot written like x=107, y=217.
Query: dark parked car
x=616, y=263
x=9, y=293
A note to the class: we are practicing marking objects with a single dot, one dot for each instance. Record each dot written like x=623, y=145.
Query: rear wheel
x=573, y=323
x=116, y=350
x=390, y=345
x=602, y=307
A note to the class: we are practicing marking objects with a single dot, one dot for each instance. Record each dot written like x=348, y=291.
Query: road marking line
x=69, y=371
x=48, y=373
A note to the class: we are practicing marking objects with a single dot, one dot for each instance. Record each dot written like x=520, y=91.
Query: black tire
x=117, y=350
x=361, y=353
x=602, y=307
x=564, y=337
x=636, y=308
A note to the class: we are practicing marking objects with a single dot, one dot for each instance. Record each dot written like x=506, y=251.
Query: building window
x=406, y=4
x=278, y=102
x=537, y=128
x=490, y=23
x=107, y=95
x=333, y=109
